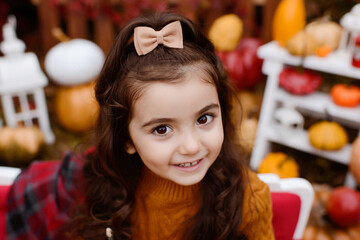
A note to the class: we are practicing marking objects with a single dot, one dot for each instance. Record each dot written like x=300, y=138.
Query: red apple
x=243, y=64
x=343, y=206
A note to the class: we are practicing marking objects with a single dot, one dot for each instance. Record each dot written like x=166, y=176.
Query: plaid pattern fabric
x=41, y=196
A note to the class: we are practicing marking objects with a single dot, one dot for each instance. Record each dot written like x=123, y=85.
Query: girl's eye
x=161, y=130
x=205, y=119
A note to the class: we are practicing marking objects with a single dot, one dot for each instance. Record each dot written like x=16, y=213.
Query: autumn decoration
x=289, y=18
x=299, y=81
x=327, y=135
x=243, y=64
x=301, y=44
x=225, y=32
x=279, y=163
x=76, y=107
x=345, y=95
x=19, y=145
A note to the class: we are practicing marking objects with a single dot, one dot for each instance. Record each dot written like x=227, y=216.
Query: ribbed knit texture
x=162, y=206
x=257, y=211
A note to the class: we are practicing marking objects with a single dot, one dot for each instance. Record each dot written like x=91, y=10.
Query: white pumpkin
x=325, y=33
x=289, y=120
x=74, y=62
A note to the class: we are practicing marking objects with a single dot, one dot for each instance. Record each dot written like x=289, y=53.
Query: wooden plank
x=183, y=8
x=104, y=33
x=246, y=11
x=48, y=19
x=268, y=14
x=76, y=23
x=207, y=13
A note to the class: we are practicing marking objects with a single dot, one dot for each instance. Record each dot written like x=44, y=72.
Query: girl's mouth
x=188, y=164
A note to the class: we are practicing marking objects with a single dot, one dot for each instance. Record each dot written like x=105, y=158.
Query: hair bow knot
x=146, y=39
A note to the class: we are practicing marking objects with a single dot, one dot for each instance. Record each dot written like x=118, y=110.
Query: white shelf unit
x=316, y=104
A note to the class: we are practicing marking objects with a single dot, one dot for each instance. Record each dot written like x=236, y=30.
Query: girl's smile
x=189, y=167
x=176, y=128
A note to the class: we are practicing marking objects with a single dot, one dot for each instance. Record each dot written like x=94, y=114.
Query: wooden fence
x=102, y=29
x=76, y=26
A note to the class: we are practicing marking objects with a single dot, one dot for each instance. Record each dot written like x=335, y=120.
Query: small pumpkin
x=19, y=145
x=73, y=61
x=76, y=107
x=247, y=133
x=299, y=81
x=245, y=103
x=301, y=44
x=354, y=164
x=225, y=32
x=245, y=106
x=279, y=163
x=322, y=51
x=345, y=95
x=327, y=135
x=289, y=18
x=325, y=33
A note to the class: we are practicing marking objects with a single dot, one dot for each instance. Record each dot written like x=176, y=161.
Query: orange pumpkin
x=322, y=51
x=345, y=95
x=76, y=108
x=289, y=18
x=327, y=135
x=279, y=163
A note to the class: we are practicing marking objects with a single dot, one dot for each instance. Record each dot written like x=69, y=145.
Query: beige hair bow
x=146, y=38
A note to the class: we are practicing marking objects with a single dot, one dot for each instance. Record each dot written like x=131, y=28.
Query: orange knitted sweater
x=162, y=206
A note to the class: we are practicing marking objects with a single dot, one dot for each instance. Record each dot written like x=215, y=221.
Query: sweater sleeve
x=257, y=210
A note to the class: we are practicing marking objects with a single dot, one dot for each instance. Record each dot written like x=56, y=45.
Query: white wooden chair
x=8, y=175
x=301, y=189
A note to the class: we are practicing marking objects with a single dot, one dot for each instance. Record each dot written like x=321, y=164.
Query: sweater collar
x=165, y=190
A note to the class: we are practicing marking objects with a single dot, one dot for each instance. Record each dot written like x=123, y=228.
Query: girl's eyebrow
x=157, y=121
x=167, y=120
x=208, y=107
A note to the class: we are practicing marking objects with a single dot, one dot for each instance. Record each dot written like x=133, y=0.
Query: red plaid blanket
x=41, y=196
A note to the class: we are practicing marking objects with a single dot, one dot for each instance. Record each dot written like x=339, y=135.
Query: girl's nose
x=190, y=143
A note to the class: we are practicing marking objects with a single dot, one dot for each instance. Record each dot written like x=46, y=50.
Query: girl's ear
x=130, y=148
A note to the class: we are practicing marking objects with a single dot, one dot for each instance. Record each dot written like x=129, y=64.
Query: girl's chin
x=189, y=178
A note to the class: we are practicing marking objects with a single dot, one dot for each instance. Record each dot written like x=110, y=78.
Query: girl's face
x=176, y=128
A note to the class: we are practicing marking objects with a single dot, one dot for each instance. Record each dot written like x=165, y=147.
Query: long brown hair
x=112, y=175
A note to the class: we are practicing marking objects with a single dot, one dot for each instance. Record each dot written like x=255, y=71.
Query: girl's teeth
x=188, y=164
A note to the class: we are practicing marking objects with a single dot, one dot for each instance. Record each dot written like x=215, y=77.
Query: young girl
x=165, y=164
